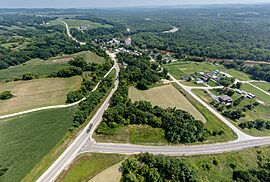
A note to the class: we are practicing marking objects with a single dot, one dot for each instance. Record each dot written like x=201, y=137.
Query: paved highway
x=71, y=152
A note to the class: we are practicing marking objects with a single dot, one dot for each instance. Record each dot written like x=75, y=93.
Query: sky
x=111, y=3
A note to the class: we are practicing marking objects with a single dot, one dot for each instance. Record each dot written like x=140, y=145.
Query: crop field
x=43, y=68
x=26, y=139
x=263, y=85
x=223, y=167
x=37, y=93
x=165, y=96
x=75, y=23
x=89, y=165
x=187, y=68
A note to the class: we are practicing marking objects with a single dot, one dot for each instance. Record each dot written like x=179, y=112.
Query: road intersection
x=84, y=142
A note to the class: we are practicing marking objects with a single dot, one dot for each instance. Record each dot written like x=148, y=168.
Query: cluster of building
x=245, y=94
x=115, y=42
x=122, y=49
x=205, y=77
x=225, y=99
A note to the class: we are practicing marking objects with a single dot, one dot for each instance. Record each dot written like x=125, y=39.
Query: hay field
x=37, y=93
x=166, y=96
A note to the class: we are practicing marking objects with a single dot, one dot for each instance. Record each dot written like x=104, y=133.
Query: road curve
x=69, y=34
x=71, y=152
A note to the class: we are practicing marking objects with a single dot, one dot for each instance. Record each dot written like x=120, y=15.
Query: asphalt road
x=72, y=151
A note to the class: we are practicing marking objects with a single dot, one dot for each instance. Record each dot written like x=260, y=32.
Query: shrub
x=69, y=72
x=5, y=95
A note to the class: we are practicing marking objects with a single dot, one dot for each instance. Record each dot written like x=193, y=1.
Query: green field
x=165, y=96
x=26, y=139
x=47, y=67
x=263, y=85
x=188, y=68
x=223, y=171
x=87, y=166
x=75, y=23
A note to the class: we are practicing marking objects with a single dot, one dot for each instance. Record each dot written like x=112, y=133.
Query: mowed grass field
x=75, y=23
x=86, y=166
x=223, y=171
x=259, y=94
x=263, y=85
x=26, y=139
x=37, y=93
x=187, y=68
x=46, y=67
x=165, y=96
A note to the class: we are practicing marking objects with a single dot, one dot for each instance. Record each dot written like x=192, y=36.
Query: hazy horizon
x=115, y=3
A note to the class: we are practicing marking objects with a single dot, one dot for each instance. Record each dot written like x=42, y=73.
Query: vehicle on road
x=89, y=128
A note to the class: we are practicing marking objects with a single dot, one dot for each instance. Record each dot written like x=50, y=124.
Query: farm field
x=37, y=93
x=89, y=165
x=165, y=96
x=259, y=112
x=75, y=23
x=226, y=163
x=26, y=139
x=263, y=85
x=43, y=68
x=187, y=68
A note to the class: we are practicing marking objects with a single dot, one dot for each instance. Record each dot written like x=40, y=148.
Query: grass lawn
x=75, y=23
x=26, y=139
x=187, y=68
x=166, y=96
x=37, y=93
x=86, y=166
x=243, y=160
x=263, y=85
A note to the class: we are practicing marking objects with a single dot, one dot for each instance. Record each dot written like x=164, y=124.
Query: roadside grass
x=37, y=93
x=45, y=67
x=165, y=96
x=187, y=68
x=75, y=23
x=26, y=139
x=223, y=171
x=263, y=85
x=112, y=174
x=135, y=134
x=89, y=165
x=259, y=112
